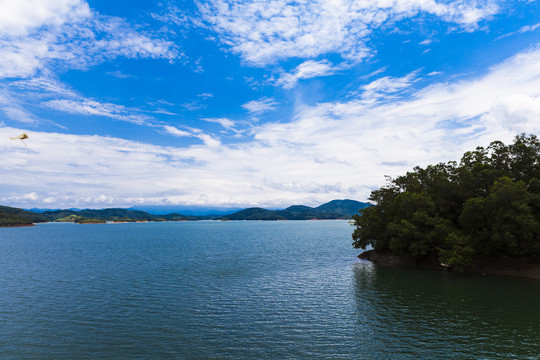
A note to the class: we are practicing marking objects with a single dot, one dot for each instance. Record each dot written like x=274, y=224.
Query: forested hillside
x=335, y=209
x=10, y=216
x=487, y=204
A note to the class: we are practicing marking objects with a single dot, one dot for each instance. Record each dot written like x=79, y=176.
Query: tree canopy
x=487, y=204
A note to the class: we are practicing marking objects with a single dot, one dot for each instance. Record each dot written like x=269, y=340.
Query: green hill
x=344, y=207
x=10, y=216
x=335, y=209
x=254, y=214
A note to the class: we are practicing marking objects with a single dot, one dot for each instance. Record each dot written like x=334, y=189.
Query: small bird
x=20, y=137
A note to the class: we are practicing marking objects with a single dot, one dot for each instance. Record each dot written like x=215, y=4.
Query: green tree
x=487, y=204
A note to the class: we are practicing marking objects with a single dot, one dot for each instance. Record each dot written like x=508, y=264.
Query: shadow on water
x=420, y=314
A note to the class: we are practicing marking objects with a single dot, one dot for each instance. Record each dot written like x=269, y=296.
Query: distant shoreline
x=514, y=267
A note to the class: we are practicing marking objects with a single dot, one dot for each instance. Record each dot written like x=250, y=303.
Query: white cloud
x=306, y=70
x=74, y=37
x=19, y=18
x=92, y=107
x=523, y=29
x=226, y=123
x=176, y=132
x=327, y=151
x=12, y=110
x=39, y=37
x=208, y=140
x=120, y=75
x=18, y=94
x=387, y=86
x=265, y=32
x=16, y=113
x=173, y=14
x=30, y=196
x=260, y=106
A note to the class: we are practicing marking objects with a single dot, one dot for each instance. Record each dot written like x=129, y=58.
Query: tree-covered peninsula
x=487, y=205
x=10, y=216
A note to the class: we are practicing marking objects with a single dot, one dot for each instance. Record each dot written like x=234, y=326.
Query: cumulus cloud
x=265, y=32
x=40, y=37
x=45, y=34
x=23, y=17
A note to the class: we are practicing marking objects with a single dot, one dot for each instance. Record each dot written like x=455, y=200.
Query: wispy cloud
x=92, y=107
x=13, y=109
x=258, y=107
x=40, y=35
x=193, y=105
x=387, y=86
x=17, y=113
x=171, y=13
x=265, y=32
x=338, y=149
x=226, y=123
x=176, y=132
x=207, y=139
x=38, y=38
x=523, y=29
x=120, y=75
x=307, y=70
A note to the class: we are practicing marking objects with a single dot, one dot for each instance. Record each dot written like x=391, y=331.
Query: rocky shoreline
x=518, y=267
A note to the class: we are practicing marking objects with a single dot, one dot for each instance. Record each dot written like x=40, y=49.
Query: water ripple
x=244, y=290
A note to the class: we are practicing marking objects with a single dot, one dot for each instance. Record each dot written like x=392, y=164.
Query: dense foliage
x=7, y=219
x=487, y=204
x=10, y=216
x=335, y=209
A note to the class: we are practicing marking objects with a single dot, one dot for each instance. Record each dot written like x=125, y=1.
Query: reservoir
x=245, y=290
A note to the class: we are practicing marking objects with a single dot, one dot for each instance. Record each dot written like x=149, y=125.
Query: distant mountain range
x=196, y=210
x=335, y=209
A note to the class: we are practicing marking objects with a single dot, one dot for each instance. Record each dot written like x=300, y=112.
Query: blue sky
x=253, y=103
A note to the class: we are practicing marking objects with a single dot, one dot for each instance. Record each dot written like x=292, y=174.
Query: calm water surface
x=245, y=290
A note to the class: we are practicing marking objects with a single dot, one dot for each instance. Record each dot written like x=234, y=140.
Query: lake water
x=245, y=290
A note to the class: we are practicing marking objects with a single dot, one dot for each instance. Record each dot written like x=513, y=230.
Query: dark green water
x=245, y=290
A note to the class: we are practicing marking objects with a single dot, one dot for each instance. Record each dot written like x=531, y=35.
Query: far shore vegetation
x=486, y=205
x=335, y=209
